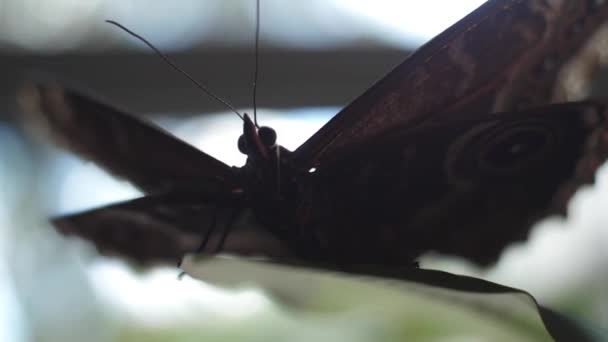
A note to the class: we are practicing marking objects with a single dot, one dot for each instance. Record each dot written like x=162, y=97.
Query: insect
x=455, y=151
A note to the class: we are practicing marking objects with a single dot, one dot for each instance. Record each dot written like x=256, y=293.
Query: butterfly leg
x=205, y=240
x=212, y=225
x=226, y=230
x=208, y=232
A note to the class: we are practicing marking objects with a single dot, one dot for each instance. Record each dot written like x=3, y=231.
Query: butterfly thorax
x=268, y=180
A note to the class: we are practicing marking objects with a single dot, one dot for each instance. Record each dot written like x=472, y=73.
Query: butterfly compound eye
x=242, y=144
x=268, y=136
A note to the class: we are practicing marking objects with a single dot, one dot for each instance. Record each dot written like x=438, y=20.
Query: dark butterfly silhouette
x=415, y=164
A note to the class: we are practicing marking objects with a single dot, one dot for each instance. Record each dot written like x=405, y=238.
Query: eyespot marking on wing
x=499, y=149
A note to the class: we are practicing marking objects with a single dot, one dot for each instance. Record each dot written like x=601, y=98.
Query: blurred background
x=315, y=57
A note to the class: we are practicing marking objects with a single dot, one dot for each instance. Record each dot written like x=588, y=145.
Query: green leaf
x=414, y=304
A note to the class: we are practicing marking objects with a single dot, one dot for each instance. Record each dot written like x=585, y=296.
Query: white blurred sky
x=59, y=25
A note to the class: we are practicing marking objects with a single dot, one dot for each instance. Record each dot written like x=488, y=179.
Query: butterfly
x=455, y=151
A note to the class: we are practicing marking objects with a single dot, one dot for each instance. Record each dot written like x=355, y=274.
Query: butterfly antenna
x=168, y=61
x=256, y=67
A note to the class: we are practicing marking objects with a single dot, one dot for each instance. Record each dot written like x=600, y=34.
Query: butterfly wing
x=462, y=186
x=126, y=146
x=504, y=55
x=162, y=228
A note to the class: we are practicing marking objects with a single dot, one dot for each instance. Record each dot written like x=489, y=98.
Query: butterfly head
x=257, y=143
x=268, y=168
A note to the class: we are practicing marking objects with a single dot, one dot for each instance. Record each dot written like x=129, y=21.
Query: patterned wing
x=462, y=186
x=126, y=146
x=162, y=228
x=505, y=55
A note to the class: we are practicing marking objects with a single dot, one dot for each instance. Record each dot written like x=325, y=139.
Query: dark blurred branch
x=145, y=84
